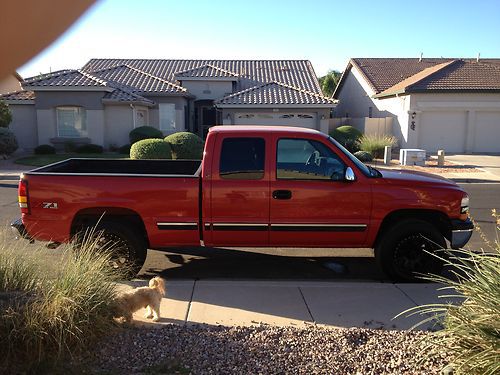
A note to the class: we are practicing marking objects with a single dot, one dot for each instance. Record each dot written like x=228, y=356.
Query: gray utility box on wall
x=411, y=156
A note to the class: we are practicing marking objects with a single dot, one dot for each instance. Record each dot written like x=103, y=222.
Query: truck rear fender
x=436, y=218
x=90, y=217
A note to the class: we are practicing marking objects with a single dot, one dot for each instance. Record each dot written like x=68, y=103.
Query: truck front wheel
x=128, y=248
x=405, y=251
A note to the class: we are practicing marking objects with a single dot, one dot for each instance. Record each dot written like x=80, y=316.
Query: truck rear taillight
x=22, y=194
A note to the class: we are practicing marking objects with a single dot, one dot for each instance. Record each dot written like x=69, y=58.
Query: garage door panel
x=443, y=130
x=305, y=120
x=487, y=133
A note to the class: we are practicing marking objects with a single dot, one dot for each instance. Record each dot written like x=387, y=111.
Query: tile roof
x=427, y=74
x=206, y=71
x=275, y=93
x=122, y=95
x=66, y=78
x=296, y=73
x=18, y=95
x=137, y=80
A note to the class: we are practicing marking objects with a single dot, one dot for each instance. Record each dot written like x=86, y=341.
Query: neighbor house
x=107, y=98
x=450, y=104
x=11, y=83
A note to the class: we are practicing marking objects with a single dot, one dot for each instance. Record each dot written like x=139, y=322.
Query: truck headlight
x=464, y=205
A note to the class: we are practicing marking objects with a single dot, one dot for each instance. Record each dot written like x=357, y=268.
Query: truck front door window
x=242, y=159
x=303, y=159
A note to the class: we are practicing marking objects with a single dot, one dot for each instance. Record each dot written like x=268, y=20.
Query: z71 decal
x=51, y=205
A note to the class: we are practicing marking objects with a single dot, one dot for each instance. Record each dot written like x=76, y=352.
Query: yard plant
x=8, y=142
x=47, y=314
x=375, y=144
x=185, y=145
x=348, y=136
x=151, y=149
x=144, y=132
x=471, y=327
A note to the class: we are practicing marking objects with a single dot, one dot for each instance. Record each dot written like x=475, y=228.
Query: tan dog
x=148, y=297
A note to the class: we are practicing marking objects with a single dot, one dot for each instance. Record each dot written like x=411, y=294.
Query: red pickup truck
x=257, y=186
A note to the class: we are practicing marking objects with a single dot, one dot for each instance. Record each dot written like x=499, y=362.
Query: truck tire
x=401, y=253
x=128, y=247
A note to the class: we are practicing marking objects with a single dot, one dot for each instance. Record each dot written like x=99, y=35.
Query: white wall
x=208, y=89
x=118, y=122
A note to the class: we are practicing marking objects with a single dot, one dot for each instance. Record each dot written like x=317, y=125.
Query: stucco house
x=450, y=104
x=105, y=99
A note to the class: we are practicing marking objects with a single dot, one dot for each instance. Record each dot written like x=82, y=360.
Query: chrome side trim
x=176, y=226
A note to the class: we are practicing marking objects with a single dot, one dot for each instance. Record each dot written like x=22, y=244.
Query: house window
x=71, y=122
x=167, y=116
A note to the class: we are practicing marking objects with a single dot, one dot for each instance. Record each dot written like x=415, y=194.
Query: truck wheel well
x=436, y=218
x=89, y=217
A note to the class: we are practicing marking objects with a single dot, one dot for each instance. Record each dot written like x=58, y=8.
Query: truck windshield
x=367, y=171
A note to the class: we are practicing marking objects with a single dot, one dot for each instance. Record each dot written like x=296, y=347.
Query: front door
x=239, y=214
x=311, y=203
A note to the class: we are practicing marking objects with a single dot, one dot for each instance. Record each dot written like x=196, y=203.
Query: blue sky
x=327, y=33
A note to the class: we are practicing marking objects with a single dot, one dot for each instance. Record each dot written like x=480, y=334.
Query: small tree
x=329, y=82
x=5, y=115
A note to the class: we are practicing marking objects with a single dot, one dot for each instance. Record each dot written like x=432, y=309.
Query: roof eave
x=138, y=102
x=18, y=101
x=384, y=95
x=69, y=88
x=332, y=105
x=229, y=79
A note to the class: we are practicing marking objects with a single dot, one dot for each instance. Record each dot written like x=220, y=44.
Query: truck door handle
x=282, y=194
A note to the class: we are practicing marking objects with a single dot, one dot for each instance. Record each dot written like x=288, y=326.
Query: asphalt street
x=274, y=263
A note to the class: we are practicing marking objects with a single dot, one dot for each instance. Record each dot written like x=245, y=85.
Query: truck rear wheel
x=403, y=252
x=128, y=248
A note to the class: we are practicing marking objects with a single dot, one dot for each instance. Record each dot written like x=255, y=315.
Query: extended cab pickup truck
x=257, y=186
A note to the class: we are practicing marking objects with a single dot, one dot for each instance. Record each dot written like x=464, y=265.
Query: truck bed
x=163, y=168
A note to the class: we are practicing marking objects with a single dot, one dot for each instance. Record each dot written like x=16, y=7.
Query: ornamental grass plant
x=375, y=144
x=471, y=327
x=50, y=311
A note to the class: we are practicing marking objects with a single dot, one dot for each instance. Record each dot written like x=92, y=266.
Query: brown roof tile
x=18, y=95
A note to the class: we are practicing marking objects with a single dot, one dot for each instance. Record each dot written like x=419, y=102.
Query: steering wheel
x=314, y=158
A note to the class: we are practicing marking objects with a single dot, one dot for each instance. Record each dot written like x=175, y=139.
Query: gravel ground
x=197, y=349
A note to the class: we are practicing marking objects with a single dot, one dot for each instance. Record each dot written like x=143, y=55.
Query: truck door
x=311, y=203
x=239, y=214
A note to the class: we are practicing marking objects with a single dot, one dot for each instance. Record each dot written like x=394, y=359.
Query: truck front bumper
x=19, y=229
x=461, y=232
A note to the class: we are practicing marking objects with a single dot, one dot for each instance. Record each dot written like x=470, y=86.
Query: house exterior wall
x=118, y=122
x=23, y=125
x=208, y=89
x=181, y=104
x=9, y=84
x=355, y=99
x=90, y=100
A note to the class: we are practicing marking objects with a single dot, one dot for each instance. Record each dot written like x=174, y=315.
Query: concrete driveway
x=490, y=163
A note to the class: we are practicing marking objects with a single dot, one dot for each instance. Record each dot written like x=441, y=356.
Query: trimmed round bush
x=45, y=150
x=348, y=137
x=89, y=149
x=125, y=150
x=185, y=145
x=144, y=132
x=8, y=142
x=363, y=156
x=151, y=149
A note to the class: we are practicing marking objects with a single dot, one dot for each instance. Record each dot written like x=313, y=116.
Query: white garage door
x=487, y=137
x=443, y=130
x=305, y=120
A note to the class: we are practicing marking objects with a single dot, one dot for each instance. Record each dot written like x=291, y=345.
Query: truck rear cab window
x=304, y=159
x=242, y=159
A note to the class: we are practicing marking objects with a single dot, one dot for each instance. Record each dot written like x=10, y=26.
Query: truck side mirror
x=349, y=174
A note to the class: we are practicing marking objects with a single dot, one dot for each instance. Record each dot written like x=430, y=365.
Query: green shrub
x=144, y=132
x=471, y=326
x=45, y=150
x=89, y=149
x=375, y=144
x=125, y=150
x=8, y=142
x=151, y=149
x=44, y=315
x=185, y=145
x=70, y=146
x=347, y=136
x=363, y=156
